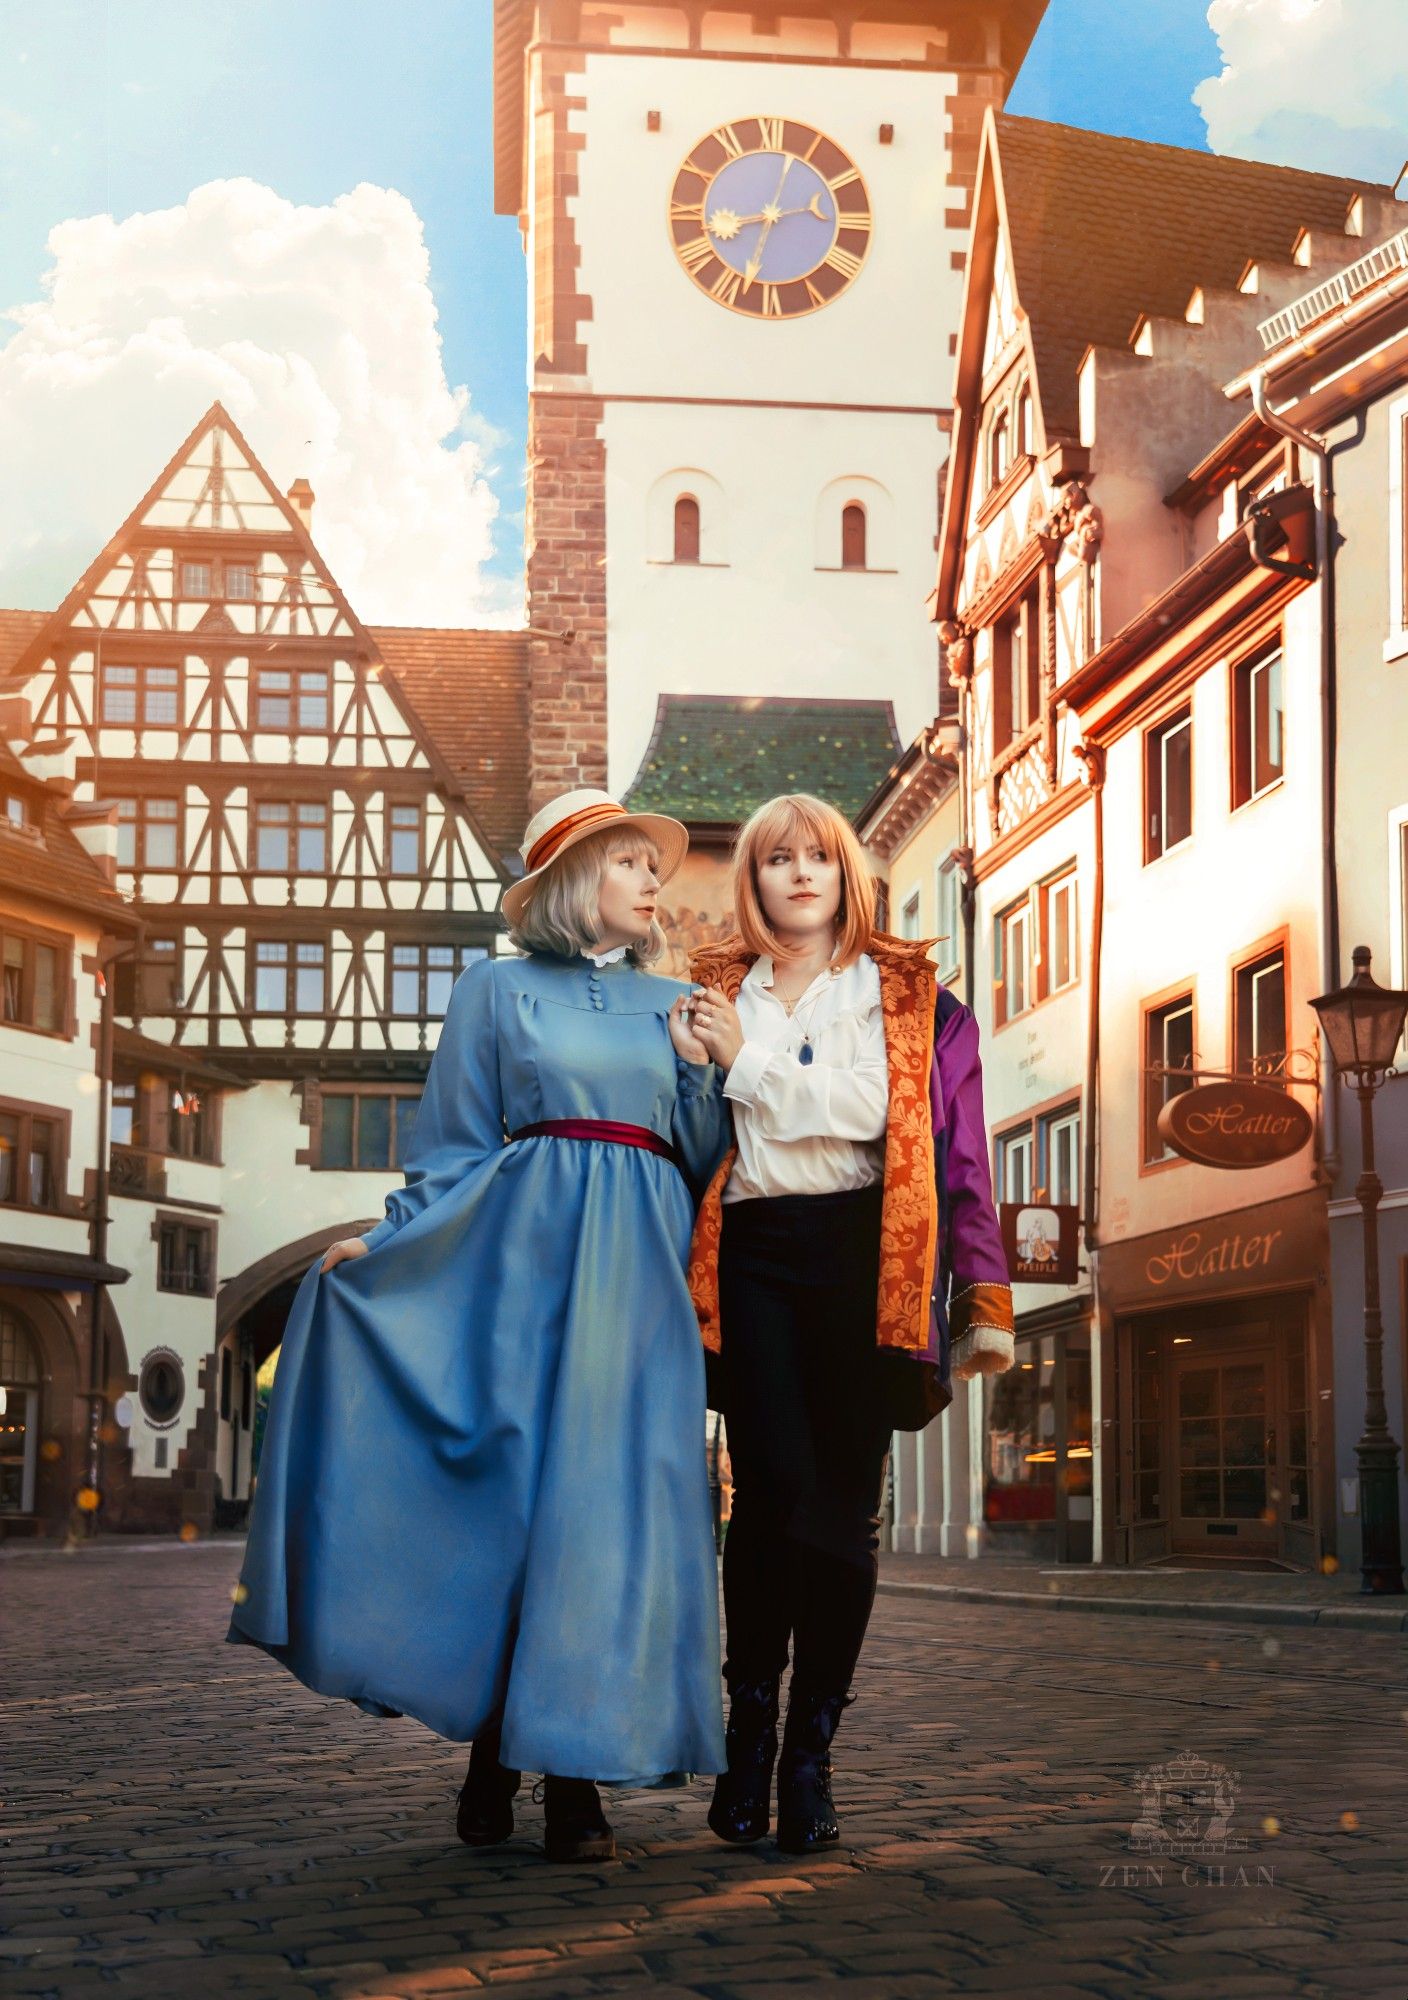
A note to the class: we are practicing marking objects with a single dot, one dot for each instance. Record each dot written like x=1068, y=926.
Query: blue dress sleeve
x=700, y=1123
x=461, y=1117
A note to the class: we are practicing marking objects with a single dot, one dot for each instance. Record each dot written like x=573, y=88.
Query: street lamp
x=1363, y=1024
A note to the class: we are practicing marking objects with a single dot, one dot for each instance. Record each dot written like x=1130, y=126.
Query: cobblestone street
x=184, y=1819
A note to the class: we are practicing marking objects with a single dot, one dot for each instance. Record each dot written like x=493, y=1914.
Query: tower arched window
x=853, y=535
x=999, y=450
x=686, y=529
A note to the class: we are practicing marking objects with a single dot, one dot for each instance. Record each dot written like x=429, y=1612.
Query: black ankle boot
x=574, y=1826
x=485, y=1815
x=741, y=1811
x=806, y=1818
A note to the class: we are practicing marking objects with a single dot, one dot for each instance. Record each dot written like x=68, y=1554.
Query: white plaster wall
x=1188, y=916
x=652, y=332
x=768, y=622
x=154, y=1319
x=269, y=1200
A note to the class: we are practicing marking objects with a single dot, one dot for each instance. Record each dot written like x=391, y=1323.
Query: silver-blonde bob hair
x=563, y=915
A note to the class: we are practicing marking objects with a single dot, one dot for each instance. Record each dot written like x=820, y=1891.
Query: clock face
x=770, y=218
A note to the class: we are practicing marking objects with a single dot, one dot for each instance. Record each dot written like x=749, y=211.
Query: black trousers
x=807, y=1438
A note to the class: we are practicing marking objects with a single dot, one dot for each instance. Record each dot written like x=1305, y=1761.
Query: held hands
x=714, y=1019
x=338, y=1253
x=688, y=1046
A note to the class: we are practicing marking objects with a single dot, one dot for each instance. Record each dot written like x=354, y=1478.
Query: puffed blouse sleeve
x=461, y=1117
x=699, y=1124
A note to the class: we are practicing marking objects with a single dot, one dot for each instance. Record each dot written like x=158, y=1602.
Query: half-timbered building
x=312, y=819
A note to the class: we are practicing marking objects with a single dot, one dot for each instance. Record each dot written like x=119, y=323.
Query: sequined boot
x=741, y=1809
x=806, y=1818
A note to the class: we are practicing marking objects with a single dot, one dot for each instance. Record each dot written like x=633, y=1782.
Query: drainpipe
x=1323, y=463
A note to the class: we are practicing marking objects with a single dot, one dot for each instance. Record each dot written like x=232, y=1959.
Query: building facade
x=311, y=821
x=745, y=237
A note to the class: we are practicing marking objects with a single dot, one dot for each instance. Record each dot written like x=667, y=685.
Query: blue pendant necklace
x=806, y=1054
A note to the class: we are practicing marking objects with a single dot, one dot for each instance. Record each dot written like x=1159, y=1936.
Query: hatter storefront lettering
x=1275, y=1243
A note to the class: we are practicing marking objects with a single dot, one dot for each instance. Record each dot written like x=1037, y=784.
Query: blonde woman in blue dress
x=483, y=1496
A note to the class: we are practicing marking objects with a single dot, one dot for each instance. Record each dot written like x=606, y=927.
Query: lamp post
x=1363, y=1024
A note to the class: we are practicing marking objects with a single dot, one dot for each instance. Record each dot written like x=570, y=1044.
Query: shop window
x=368, y=1130
x=31, y=1159
x=404, y=839
x=1258, y=727
x=140, y=696
x=161, y=1387
x=1019, y=1482
x=1058, y=966
x=1013, y=953
x=289, y=700
x=853, y=536
x=1259, y=1014
x=423, y=976
x=19, y=1413
x=686, y=529
x=148, y=833
x=34, y=980
x=1148, y=1432
x=1298, y=1431
x=1016, y=670
x=290, y=837
x=1168, y=1052
x=1168, y=784
x=185, y=1259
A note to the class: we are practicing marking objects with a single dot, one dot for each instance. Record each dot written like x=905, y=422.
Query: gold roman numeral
x=813, y=146
x=695, y=254
x=730, y=142
x=686, y=211
x=842, y=261
x=772, y=302
x=771, y=131
x=726, y=287
x=848, y=179
x=860, y=220
x=817, y=298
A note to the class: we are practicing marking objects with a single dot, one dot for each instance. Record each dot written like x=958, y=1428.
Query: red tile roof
x=47, y=860
x=469, y=691
x=1104, y=229
x=17, y=628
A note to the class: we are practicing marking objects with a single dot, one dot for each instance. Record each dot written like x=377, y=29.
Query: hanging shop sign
x=1235, y=1124
x=1042, y=1241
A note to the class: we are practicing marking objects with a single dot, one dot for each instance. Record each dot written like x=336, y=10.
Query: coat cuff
x=694, y=1079
x=980, y=1331
x=381, y=1233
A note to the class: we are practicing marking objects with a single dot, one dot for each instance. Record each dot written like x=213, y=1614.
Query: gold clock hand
x=755, y=262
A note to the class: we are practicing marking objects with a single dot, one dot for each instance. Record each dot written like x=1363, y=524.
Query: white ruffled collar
x=612, y=957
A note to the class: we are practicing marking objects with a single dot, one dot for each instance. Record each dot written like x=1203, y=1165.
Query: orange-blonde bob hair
x=796, y=818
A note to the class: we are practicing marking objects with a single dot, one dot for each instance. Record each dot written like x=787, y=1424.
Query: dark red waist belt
x=599, y=1128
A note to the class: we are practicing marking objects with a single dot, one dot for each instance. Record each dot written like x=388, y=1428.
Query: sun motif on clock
x=770, y=217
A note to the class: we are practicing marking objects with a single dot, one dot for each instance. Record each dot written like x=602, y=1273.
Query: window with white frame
x=1060, y=966
x=1016, y=1162
x=949, y=907
x=1168, y=1051
x=1168, y=784
x=1060, y=1149
x=1014, y=960
x=1397, y=642
x=909, y=916
x=1258, y=727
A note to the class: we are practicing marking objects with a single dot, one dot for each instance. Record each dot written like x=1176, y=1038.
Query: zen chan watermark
x=1184, y=1834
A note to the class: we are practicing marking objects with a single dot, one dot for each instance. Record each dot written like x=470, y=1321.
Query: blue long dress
x=483, y=1482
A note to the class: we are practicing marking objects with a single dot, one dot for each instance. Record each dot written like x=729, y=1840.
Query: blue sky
x=121, y=106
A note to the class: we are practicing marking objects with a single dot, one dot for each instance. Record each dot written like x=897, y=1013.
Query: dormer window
x=686, y=529
x=16, y=811
x=853, y=536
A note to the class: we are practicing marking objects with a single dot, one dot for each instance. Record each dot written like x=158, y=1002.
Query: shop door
x=1225, y=1453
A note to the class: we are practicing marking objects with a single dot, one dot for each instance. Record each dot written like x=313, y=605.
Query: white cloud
x=1321, y=84
x=316, y=328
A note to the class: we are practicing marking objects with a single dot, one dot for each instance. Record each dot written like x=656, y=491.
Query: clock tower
x=745, y=235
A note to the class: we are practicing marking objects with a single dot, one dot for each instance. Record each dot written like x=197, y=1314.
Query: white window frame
x=909, y=916
x=1064, y=885
x=1277, y=659
x=1396, y=643
x=1018, y=914
x=1061, y=1124
x=948, y=906
x=1012, y=1147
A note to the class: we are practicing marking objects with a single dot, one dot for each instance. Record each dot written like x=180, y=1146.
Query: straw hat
x=564, y=821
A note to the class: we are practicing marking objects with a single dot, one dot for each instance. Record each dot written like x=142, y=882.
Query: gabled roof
x=1103, y=229
x=17, y=630
x=713, y=758
x=46, y=860
x=468, y=690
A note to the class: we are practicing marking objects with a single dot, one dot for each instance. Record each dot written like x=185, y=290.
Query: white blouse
x=817, y=1127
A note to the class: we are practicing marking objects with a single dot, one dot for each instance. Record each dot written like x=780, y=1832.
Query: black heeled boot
x=574, y=1826
x=485, y=1813
x=806, y=1818
x=741, y=1811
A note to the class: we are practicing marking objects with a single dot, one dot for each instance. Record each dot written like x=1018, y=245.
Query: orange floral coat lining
x=909, y=1213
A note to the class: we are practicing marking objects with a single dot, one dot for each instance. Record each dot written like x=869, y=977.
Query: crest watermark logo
x=1184, y=1831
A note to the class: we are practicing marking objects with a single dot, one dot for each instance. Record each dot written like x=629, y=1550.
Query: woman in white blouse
x=804, y=1048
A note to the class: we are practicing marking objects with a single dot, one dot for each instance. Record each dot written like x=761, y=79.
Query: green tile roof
x=716, y=757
